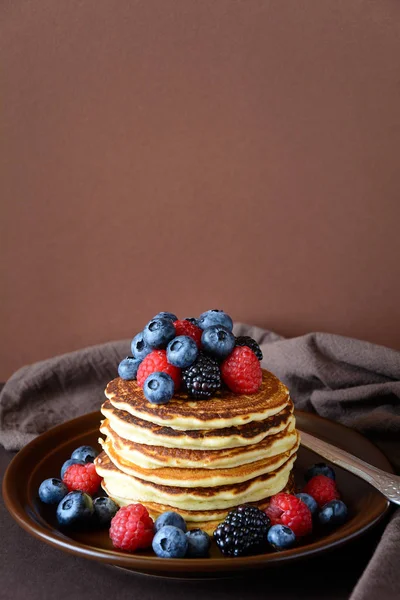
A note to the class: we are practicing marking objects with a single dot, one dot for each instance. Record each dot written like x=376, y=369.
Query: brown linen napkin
x=353, y=382
x=40, y=396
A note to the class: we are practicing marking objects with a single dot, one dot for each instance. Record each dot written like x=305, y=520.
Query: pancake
x=198, y=458
x=225, y=409
x=206, y=520
x=120, y=484
x=145, y=432
x=154, y=457
x=200, y=477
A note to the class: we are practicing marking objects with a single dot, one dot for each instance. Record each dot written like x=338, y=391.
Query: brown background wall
x=184, y=155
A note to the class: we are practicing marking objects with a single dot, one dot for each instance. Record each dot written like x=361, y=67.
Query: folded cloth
x=350, y=381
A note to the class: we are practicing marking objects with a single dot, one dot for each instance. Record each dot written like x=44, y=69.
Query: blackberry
x=193, y=321
x=203, y=378
x=243, y=532
x=246, y=340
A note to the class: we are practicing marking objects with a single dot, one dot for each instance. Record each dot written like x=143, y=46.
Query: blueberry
x=159, y=332
x=139, y=348
x=52, y=491
x=68, y=463
x=159, y=388
x=309, y=501
x=218, y=341
x=320, y=469
x=104, y=510
x=128, y=367
x=182, y=351
x=170, y=518
x=75, y=510
x=170, y=542
x=166, y=315
x=199, y=543
x=85, y=454
x=281, y=537
x=333, y=513
x=215, y=317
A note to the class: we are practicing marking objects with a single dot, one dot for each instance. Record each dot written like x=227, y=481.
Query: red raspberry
x=187, y=328
x=286, y=509
x=241, y=371
x=83, y=478
x=323, y=489
x=157, y=361
x=132, y=528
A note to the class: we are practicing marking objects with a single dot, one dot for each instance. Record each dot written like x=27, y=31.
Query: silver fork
x=386, y=483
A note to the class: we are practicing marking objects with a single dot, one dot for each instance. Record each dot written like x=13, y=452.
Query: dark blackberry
x=193, y=321
x=243, y=532
x=203, y=378
x=246, y=340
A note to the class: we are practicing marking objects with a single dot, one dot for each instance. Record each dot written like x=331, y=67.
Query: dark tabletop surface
x=29, y=569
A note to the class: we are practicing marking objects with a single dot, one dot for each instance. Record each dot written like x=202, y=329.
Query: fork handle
x=386, y=483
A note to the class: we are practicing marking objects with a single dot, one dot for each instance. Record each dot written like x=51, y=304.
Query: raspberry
x=241, y=371
x=286, y=509
x=132, y=528
x=323, y=489
x=187, y=328
x=83, y=478
x=157, y=361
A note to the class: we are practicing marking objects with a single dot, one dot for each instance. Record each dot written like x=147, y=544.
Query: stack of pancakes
x=198, y=458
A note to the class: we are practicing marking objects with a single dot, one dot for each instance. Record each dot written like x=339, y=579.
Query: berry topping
x=166, y=315
x=75, y=510
x=182, y=351
x=170, y=518
x=309, y=501
x=68, y=463
x=104, y=509
x=139, y=347
x=281, y=537
x=157, y=361
x=170, y=542
x=320, y=469
x=241, y=371
x=159, y=332
x=190, y=329
x=245, y=340
x=203, y=379
x=243, y=532
x=286, y=509
x=215, y=317
x=333, y=513
x=159, y=388
x=193, y=321
x=199, y=543
x=132, y=528
x=128, y=367
x=52, y=491
x=218, y=341
x=85, y=454
x=323, y=489
x=83, y=478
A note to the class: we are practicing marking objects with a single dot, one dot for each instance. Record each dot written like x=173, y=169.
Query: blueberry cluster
x=198, y=352
x=77, y=509
x=172, y=540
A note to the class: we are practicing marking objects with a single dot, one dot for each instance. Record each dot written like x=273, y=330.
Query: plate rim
x=154, y=564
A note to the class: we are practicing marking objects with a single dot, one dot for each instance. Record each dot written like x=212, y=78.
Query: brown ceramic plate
x=43, y=457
